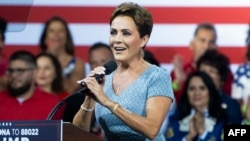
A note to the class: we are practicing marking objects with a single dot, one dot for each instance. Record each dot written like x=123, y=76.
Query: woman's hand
x=196, y=126
x=192, y=130
x=96, y=89
x=199, y=122
x=180, y=75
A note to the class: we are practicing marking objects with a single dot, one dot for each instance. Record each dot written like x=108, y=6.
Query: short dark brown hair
x=217, y=60
x=141, y=16
x=207, y=26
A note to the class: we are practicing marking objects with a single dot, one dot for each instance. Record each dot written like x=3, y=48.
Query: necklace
x=118, y=87
x=124, y=83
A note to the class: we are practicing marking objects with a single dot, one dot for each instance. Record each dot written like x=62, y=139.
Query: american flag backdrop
x=174, y=24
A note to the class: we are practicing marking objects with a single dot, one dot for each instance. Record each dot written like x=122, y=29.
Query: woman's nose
x=118, y=38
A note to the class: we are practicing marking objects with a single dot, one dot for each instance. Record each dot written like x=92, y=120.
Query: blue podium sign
x=38, y=130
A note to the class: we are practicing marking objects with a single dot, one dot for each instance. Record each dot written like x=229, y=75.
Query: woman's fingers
x=97, y=71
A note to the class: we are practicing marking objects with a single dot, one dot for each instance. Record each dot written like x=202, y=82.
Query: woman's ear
x=144, y=40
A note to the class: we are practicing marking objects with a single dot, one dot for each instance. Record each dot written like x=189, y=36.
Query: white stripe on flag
x=162, y=35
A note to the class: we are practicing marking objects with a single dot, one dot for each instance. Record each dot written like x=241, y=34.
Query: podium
x=43, y=130
x=74, y=133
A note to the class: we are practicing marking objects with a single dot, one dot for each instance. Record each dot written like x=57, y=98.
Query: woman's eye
x=203, y=88
x=126, y=33
x=191, y=88
x=112, y=32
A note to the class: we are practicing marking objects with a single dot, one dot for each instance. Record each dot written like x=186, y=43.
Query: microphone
x=109, y=68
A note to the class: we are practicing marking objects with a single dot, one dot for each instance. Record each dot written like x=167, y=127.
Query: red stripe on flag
x=84, y=14
x=15, y=13
x=163, y=54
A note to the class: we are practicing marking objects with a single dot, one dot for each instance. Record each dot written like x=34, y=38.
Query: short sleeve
x=160, y=84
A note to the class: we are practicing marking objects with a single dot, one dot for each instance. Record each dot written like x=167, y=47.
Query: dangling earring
x=142, y=52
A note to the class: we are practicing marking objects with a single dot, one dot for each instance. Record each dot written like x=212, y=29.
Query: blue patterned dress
x=154, y=81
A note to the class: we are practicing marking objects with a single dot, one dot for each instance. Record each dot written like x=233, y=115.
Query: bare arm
x=156, y=110
x=82, y=119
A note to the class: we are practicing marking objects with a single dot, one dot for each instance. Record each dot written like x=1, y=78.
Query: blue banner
x=42, y=130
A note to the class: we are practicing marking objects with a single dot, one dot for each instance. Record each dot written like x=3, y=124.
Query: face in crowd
x=99, y=57
x=21, y=76
x=204, y=40
x=46, y=71
x=198, y=93
x=56, y=36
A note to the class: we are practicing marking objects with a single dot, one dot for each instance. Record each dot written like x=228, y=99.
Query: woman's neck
x=201, y=109
x=64, y=59
x=134, y=66
x=46, y=88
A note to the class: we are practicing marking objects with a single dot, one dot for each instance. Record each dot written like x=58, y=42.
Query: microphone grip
x=83, y=84
x=99, y=79
x=84, y=88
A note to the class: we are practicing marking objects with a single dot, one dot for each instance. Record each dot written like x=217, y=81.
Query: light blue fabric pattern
x=154, y=81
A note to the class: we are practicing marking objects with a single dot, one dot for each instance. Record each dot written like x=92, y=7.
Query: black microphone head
x=110, y=67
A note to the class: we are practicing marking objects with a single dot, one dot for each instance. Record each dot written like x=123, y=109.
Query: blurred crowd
x=207, y=93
